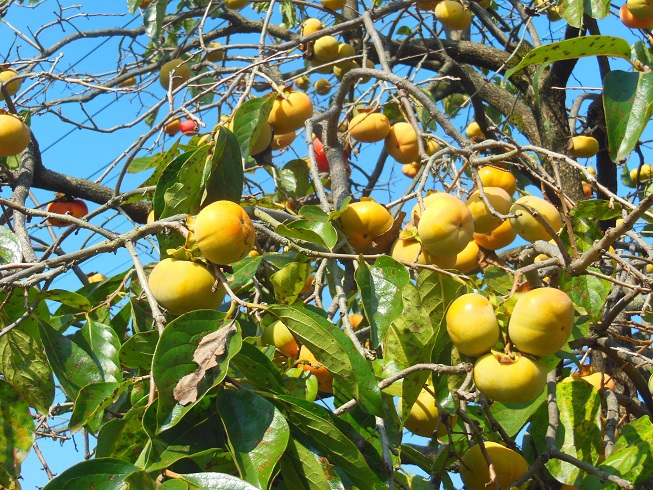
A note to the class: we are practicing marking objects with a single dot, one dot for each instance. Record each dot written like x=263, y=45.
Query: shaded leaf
x=210, y=352
x=249, y=120
x=72, y=365
x=138, y=350
x=380, y=286
x=68, y=298
x=596, y=209
x=10, y=249
x=17, y=434
x=257, y=368
x=103, y=344
x=578, y=47
x=123, y=438
x=173, y=359
x=294, y=178
x=99, y=473
x=225, y=178
x=244, y=270
x=24, y=365
x=626, y=98
x=258, y=434
x=301, y=468
x=289, y=281
x=91, y=402
x=332, y=348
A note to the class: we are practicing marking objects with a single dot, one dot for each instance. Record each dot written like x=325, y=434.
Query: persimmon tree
x=337, y=268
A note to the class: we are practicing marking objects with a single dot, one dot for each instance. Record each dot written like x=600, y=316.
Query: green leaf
x=10, y=249
x=289, y=281
x=68, y=298
x=165, y=184
x=288, y=14
x=185, y=193
x=626, y=98
x=91, y=402
x=123, y=438
x=410, y=341
x=380, y=286
x=513, y=418
x=256, y=442
x=244, y=271
x=141, y=164
x=17, y=434
x=24, y=365
x=99, y=474
x=258, y=368
x=572, y=10
x=225, y=179
x=153, y=18
x=103, y=344
x=294, y=178
x=217, y=481
x=596, y=209
x=198, y=434
x=317, y=424
x=578, y=47
x=579, y=432
x=173, y=361
x=73, y=366
x=138, y=350
x=631, y=458
x=301, y=384
x=587, y=292
x=301, y=469
x=336, y=351
x=249, y=120
x=642, y=53
x=498, y=279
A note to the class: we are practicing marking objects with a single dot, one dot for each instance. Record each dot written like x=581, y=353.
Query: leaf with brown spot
x=209, y=353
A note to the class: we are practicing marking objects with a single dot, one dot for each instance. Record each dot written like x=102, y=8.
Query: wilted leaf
x=209, y=353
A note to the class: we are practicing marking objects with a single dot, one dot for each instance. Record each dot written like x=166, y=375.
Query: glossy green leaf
x=294, y=178
x=257, y=368
x=626, y=98
x=631, y=458
x=198, y=433
x=587, y=292
x=315, y=227
x=73, y=366
x=380, y=286
x=578, y=47
x=256, y=442
x=225, y=178
x=301, y=469
x=173, y=360
x=249, y=120
x=123, y=438
x=244, y=270
x=301, y=384
x=186, y=192
x=332, y=348
x=103, y=344
x=153, y=17
x=68, y=298
x=168, y=182
x=572, y=10
x=141, y=164
x=90, y=404
x=10, y=249
x=579, y=432
x=138, y=350
x=514, y=417
x=596, y=209
x=317, y=425
x=410, y=341
x=217, y=481
x=98, y=474
x=17, y=434
x=289, y=281
x=24, y=365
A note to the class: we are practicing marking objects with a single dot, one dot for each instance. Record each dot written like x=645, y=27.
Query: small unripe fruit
x=527, y=226
x=424, y=417
x=277, y=334
x=189, y=127
x=509, y=381
x=214, y=54
x=410, y=170
x=472, y=324
x=345, y=51
x=325, y=49
x=181, y=286
x=509, y=466
x=14, y=135
x=473, y=130
x=333, y=4
x=645, y=173
x=311, y=25
x=369, y=127
x=322, y=86
x=11, y=87
x=302, y=82
x=224, y=232
x=96, y=277
x=236, y=4
x=641, y=9
x=584, y=147
x=541, y=321
x=453, y=15
x=175, y=70
x=401, y=143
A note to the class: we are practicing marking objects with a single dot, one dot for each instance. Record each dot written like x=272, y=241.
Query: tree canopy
x=327, y=245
